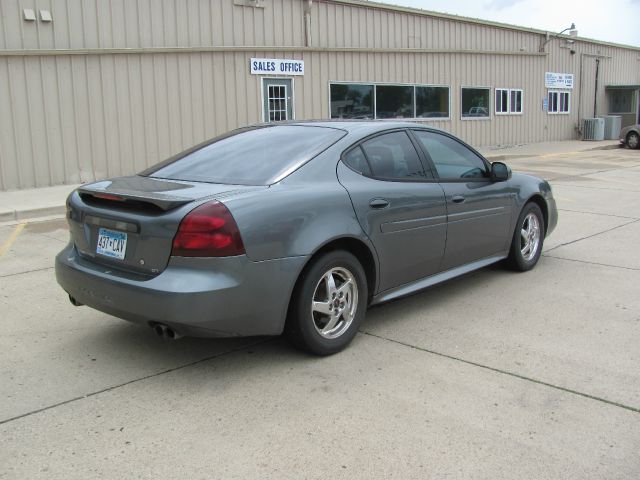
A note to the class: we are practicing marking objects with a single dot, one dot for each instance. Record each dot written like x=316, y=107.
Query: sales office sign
x=276, y=66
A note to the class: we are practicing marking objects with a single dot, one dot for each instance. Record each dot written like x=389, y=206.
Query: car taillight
x=208, y=231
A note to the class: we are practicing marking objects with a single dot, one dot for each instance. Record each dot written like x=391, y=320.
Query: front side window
x=559, y=102
x=392, y=156
x=475, y=102
x=453, y=160
x=352, y=101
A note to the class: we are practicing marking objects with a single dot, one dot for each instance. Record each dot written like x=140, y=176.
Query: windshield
x=259, y=156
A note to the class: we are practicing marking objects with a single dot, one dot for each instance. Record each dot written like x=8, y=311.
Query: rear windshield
x=258, y=156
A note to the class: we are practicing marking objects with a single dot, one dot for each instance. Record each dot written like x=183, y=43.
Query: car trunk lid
x=128, y=223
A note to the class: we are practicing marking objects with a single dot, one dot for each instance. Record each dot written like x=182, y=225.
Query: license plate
x=111, y=244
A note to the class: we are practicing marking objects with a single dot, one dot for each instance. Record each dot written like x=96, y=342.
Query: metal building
x=91, y=89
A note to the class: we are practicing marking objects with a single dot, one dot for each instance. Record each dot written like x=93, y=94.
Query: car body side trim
x=423, y=283
x=485, y=212
x=391, y=227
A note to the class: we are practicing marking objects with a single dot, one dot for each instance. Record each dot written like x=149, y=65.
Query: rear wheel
x=633, y=140
x=526, y=245
x=329, y=304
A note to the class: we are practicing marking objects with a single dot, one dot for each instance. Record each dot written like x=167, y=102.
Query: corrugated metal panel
x=73, y=118
x=152, y=23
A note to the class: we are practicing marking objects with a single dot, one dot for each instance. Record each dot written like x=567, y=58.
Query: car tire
x=633, y=140
x=328, y=304
x=528, y=238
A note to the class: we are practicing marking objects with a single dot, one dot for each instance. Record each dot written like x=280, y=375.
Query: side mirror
x=500, y=172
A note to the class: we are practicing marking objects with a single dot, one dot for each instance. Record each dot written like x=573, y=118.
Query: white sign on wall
x=276, y=66
x=558, y=80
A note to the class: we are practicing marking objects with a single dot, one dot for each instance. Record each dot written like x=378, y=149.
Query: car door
x=478, y=209
x=398, y=204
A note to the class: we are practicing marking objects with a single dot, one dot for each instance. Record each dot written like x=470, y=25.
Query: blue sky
x=615, y=21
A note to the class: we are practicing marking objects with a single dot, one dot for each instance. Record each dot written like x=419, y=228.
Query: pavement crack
x=591, y=263
x=571, y=185
x=26, y=271
x=586, y=174
x=124, y=384
x=507, y=372
x=600, y=214
x=50, y=237
x=592, y=235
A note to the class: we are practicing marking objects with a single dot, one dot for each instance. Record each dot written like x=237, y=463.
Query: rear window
x=258, y=156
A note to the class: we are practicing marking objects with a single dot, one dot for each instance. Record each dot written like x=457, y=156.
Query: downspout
x=598, y=57
x=307, y=22
x=579, y=125
x=595, y=94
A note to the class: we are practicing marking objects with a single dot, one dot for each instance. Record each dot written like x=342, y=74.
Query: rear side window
x=452, y=159
x=392, y=156
x=357, y=161
x=258, y=156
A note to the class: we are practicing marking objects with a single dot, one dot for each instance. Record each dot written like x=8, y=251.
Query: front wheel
x=329, y=304
x=526, y=245
x=633, y=140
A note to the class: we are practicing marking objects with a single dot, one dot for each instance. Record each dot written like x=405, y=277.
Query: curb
x=8, y=216
x=513, y=156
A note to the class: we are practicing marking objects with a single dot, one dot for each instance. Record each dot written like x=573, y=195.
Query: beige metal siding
x=77, y=118
x=74, y=109
x=151, y=23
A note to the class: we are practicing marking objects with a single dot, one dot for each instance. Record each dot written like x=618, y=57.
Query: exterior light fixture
x=572, y=31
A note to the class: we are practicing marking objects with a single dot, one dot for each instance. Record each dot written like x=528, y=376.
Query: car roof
x=359, y=127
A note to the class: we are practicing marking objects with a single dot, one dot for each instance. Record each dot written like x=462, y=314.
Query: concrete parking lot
x=493, y=375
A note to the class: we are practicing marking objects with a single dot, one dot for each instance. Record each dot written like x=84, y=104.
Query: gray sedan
x=630, y=136
x=297, y=228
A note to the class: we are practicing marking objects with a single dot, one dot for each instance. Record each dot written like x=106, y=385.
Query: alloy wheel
x=530, y=236
x=334, y=302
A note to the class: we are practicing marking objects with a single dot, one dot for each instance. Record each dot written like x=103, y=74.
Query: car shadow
x=125, y=353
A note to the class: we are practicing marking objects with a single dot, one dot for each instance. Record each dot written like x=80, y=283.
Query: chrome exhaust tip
x=165, y=332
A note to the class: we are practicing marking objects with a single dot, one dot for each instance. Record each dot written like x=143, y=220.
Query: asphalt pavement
x=495, y=375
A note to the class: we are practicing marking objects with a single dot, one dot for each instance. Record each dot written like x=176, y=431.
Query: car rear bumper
x=203, y=297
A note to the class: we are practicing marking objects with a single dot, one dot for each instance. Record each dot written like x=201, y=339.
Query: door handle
x=457, y=199
x=379, y=203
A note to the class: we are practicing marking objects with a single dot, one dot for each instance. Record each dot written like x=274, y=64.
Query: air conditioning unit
x=612, y=126
x=593, y=129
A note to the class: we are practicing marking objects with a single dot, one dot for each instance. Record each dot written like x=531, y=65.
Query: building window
x=351, y=101
x=621, y=102
x=502, y=101
x=365, y=101
x=475, y=102
x=394, y=101
x=508, y=101
x=515, y=105
x=432, y=102
x=559, y=102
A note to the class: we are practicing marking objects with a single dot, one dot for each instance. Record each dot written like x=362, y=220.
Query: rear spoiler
x=117, y=191
x=126, y=198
